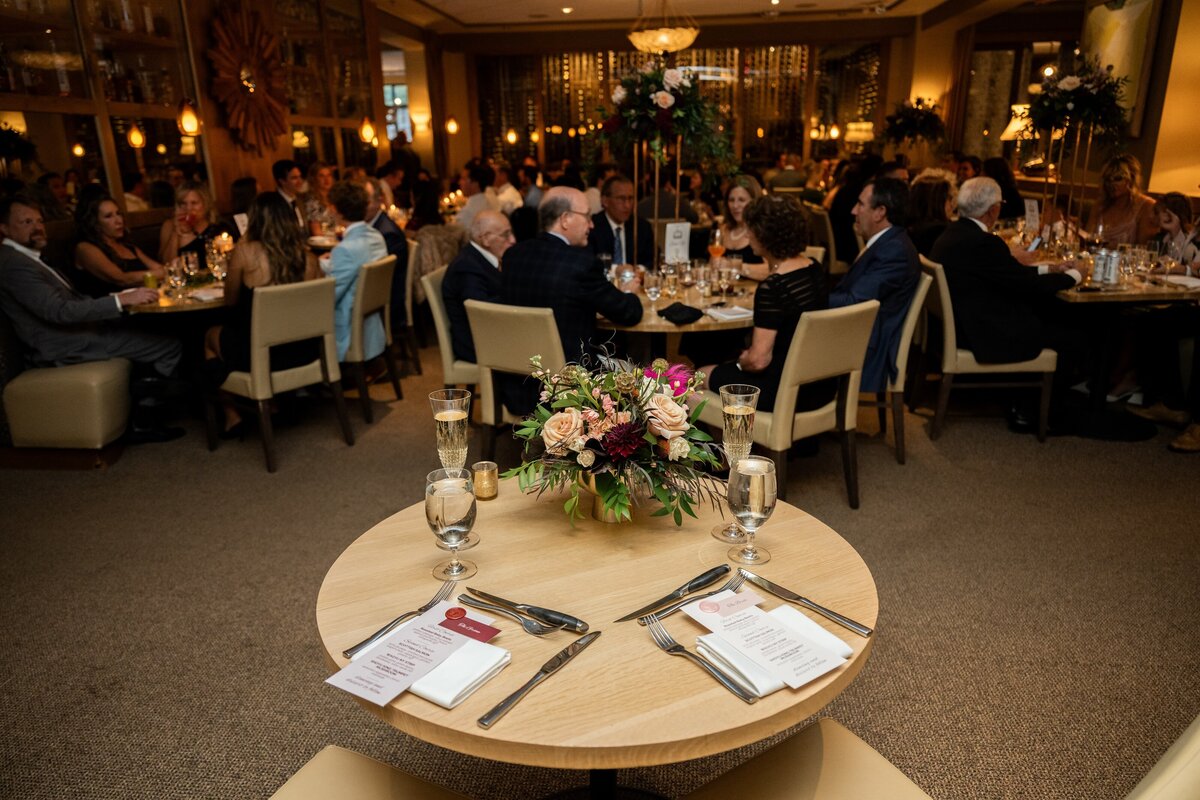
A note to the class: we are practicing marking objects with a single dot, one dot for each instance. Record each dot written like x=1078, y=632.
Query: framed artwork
x=1122, y=33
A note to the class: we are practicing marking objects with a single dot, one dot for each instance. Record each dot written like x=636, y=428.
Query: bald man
x=474, y=274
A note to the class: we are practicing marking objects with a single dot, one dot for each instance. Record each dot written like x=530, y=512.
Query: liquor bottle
x=60, y=71
x=148, y=18
x=127, y=21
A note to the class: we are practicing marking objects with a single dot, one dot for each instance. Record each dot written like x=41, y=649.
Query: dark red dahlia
x=623, y=439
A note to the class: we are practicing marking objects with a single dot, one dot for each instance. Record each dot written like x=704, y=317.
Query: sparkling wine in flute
x=451, y=428
x=739, y=431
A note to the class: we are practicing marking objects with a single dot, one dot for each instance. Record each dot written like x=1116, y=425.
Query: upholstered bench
x=336, y=772
x=82, y=406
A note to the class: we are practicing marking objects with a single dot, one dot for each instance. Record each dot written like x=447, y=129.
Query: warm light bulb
x=814, y=134
x=188, y=119
x=77, y=151
x=451, y=125
x=511, y=136
x=374, y=141
x=135, y=137
x=366, y=130
x=834, y=131
x=161, y=149
x=1048, y=71
x=571, y=132
x=535, y=137
x=760, y=133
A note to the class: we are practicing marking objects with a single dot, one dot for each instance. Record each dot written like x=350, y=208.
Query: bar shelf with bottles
x=39, y=50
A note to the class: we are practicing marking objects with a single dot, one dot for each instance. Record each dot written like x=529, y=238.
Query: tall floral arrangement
x=655, y=105
x=619, y=431
x=913, y=121
x=1090, y=95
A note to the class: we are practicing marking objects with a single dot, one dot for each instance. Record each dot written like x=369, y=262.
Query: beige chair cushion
x=964, y=363
x=336, y=773
x=76, y=406
x=372, y=294
x=506, y=337
x=822, y=762
x=454, y=371
x=1176, y=776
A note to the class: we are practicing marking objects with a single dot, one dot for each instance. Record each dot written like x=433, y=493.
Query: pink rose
x=563, y=428
x=664, y=99
x=672, y=78
x=665, y=417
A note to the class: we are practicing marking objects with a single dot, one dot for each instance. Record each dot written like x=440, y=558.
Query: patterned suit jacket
x=469, y=277
x=360, y=245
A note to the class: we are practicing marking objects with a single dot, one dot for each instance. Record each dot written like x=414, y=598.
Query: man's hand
x=1021, y=253
x=137, y=297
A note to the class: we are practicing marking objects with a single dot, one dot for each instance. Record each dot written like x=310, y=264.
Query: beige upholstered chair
x=83, y=406
x=506, y=337
x=454, y=371
x=336, y=773
x=893, y=397
x=827, y=344
x=372, y=295
x=1176, y=776
x=820, y=233
x=287, y=313
x=795, y=191
x=822, y=762
x=408, y=337
x=956, y=361
x=816, y=253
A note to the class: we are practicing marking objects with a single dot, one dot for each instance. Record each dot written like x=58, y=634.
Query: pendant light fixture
x=665, y=32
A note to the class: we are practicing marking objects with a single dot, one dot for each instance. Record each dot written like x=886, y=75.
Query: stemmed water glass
x=175, y=278
x=751, y=494
x=738, y=403
x=451, y=409
x=652, y=284
x=191, y=264
x=724, y=281
x=450, y=512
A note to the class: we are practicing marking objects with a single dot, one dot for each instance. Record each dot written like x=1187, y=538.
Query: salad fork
x=733, y=584
x=441, y=595
x=670, y=646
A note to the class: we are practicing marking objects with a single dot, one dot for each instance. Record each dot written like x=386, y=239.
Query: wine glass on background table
x=451, y=410
x=176, y=279
x=738, y=403
x=751, y=493
x=652, y=285
x=725, y=279
x=450, y=511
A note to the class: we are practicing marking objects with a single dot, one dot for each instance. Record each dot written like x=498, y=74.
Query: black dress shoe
x=1020, y=422
x=153, y=435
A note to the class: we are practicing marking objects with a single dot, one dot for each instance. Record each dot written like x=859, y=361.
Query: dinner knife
x=695, y=584
x=549, y=668
x=788, y=594
x=546, y=615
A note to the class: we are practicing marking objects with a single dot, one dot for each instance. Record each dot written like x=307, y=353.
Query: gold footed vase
x=587, y=482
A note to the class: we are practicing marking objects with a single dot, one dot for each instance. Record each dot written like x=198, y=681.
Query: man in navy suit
x=612, y=228
x=397, y=246
x=474, y=274
x=886, y=270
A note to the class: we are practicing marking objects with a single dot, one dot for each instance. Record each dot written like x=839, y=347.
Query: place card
x=1032, y=218
x=409, y=653
x=779, y=649
x=678, y=239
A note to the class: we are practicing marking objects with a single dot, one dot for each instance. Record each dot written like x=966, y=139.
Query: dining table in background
x=622, y=703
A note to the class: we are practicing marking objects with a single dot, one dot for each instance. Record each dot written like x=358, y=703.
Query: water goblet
x=451, y=409
x=703, y=281
x=176, y=279
x=652, y=284
x=606, y=265
x=751, y=494
x=736, y=266
x=450, y=511
x=218, y=267
x=738, y=403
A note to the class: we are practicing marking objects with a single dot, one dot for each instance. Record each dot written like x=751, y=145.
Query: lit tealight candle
x=485, y=477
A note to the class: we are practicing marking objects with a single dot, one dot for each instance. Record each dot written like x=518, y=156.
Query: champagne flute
x=724, y=281
x=716, y=243
x=671, y=283
x=652, y=284
x=751, y=495
x=450, y=511
x=738, y=402
x=451, y=408
x=703, y=281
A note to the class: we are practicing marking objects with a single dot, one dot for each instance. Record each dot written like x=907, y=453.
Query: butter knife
x=549, y=668
x=788, y=594
x=695, y=584
x=546, y=615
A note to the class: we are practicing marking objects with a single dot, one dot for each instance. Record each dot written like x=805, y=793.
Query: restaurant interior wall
x=1176, y=157
x=419, y=107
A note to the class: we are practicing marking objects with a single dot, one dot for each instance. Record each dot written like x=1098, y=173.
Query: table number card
x=782, y=651
x=675, y=249
x=1033, y=222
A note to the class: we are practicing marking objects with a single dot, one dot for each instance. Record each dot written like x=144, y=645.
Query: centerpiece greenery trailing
x=1091, y=95
x=623, y=432
x=913, y=121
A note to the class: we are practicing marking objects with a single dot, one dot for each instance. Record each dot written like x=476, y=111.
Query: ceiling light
x=567, y=9
x=774, y=2
x=135, y=137
x=834, y=131
x=1048, y=70
x=366, y=130
x=665, y=32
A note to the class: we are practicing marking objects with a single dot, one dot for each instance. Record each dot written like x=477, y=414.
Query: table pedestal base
x=602, y=785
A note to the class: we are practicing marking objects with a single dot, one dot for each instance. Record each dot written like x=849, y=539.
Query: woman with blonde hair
x=194, y=225
x=1122, y=215
x=317, y=209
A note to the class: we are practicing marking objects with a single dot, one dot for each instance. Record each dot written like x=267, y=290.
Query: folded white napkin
x=211, y=293
x=1184, y=280
x=730, y=313
x=720, y=652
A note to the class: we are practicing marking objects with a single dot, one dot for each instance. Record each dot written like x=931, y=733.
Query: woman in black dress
x=743, y=190
x=194, y=225
x=107, y=259
x=795, y=285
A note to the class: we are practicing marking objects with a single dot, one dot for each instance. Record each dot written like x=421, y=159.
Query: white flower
x=586, y=458
x=619, y=95
x=679, y=448
x=672, y=78
x=1069, y=83
x=561, y=429
x=663, y=99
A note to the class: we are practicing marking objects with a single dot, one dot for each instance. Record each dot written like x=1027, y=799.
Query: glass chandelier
x=665, y=32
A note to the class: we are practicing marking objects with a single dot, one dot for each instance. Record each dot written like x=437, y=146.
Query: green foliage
x=914, y=121
x=1091, y=95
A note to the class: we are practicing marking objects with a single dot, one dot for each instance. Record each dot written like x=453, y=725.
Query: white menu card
x=678, y=237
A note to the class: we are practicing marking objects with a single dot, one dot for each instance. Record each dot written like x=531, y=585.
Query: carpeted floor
x=1039, y=634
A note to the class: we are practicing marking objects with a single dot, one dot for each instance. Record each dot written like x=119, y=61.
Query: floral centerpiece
x=913, y=121
x=620, y=432
x=1091, y=95
x=657, y=104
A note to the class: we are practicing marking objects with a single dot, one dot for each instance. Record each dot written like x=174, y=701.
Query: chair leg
x=850, y=465
x=943, y=400
x=339, y=402
x=881, y=409
x=358, y=372
x=410, y=335
x=268, y=436
x=1044, y=410
x=389, y=356
x=780, y=459
x=897, y=400
x=210, y=421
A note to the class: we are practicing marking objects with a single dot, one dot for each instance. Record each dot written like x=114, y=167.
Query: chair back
x=916, y=307
x=940, y=307
x=795, y=191
x=410, y=281
x=372, y=295
x=505, y=339
x=816, y=253
x=290, y=312
x=1176, y=776
x=820, y=232
x=432, y=284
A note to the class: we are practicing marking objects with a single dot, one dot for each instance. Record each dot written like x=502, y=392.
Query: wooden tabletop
x=622, y=702
x=1137, y=291
x=171, y=305
x=651, y=322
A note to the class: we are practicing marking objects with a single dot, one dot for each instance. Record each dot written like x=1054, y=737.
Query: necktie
x=618, y=246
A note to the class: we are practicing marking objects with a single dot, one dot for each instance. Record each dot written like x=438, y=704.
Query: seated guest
x=396, y=244
x=56, y=199
x=527, y=184
x=666, y=201
x=195, y=223
x=931, y=201
x=106, y=257
x=1122, y=215
x=788, y=177
x=969, y=167
x=743, y=190
x=1013, y=206
x=391, y=177
x=595, y=191
x=241, y=197
x=840, y=217
x=796, y=285
x=61, y=326
x=289, y=182
x=1176, y=236
x=897, y=170
x=887, y=271
x=474, y=274
x=136, y=191
x=426, y=208
x=361, y=244
x=271, y=253
x=318, y=209
x=556, y=270
x=506, y=194
x=612, y=228
x=476, y=182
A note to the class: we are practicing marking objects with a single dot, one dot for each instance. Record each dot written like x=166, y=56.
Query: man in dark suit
x=1003, y=310
x=474, y=274
x=397, y=246
x=612, y=228
x=556, y=270
x=886, y=270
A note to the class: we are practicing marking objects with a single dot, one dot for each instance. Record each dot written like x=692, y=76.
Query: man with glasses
x=474, y=274
x=612, y=228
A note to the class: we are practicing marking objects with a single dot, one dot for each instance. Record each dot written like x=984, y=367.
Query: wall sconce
x=135, y=137
x=451, y=125
x=77, y=151
x=420, y=122
x=187, y=145
x=188, y=119
x=366, y=130
x=511, y=136
x=535, y=137
x=300, y=140
x=161, y=149
x=814, y=133
x=760, y=133
x=834, y=131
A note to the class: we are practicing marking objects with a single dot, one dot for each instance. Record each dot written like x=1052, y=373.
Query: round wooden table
x=651, y=322
x=173, y=305
x=621, y=702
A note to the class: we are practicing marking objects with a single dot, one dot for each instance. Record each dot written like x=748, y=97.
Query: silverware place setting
x=441, y=595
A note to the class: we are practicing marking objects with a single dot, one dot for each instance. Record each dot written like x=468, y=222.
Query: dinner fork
x=672, y=647
x=733, y=584
x=531, y=626
x=441, y=595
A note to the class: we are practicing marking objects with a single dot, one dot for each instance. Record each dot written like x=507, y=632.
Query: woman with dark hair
x=194, y=225
x=242, y=193
x=1012, y=205
x=931, y=200
x=1122, y=215
x=1177, y=235
x=271, y=253
x=795, y=285
x=107, y=258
